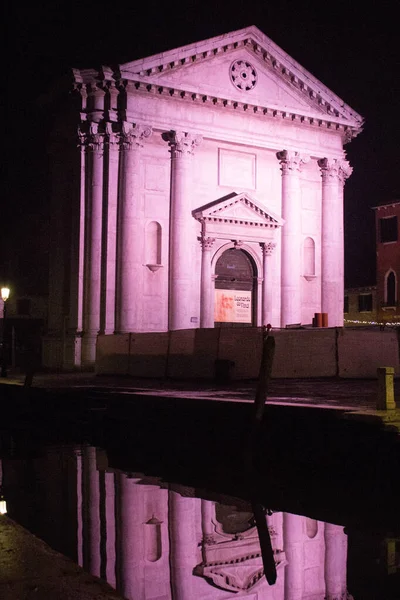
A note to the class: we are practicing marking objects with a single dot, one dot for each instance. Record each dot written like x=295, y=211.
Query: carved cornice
x=181, y=143
x=334, y=169
x=329, y=123
x=326, y=110
x=233, y=562
x=256, y=43
x=291, y=161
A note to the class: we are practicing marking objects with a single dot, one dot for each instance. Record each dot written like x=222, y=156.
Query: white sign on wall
x=232, y=306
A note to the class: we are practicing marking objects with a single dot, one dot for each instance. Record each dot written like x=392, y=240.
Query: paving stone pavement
x=350, y=394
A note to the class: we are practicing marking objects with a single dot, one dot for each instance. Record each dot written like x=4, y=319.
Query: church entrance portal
x=235, y=289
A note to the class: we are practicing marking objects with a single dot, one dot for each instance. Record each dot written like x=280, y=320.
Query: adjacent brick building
x=387, y=221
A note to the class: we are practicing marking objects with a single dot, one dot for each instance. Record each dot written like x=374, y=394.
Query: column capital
x=206, y=243
x=267, y=248
x=334, y=169
x=132, y=135
x=92, y=135
x=112, y=134
x=291, y=160
x=182, y=143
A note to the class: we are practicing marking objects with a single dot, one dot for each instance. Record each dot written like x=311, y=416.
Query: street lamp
x=5, y=293
x=3, y=503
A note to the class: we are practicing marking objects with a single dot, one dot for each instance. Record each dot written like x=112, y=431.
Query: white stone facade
x=226, y=143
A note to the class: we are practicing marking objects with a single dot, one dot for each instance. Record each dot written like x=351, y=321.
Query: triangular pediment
x=238, y=209
x=219, y=68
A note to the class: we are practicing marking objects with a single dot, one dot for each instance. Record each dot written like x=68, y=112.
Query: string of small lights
x=379, y=324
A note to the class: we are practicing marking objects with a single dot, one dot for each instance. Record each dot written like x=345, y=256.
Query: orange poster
x=232, y=306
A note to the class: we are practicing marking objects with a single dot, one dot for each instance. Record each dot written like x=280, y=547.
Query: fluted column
x=206, y=284
x=291, y=163
x=266, y=313
x=333, y=173
x=180, y=258
x=293, y=540
x=335, y=562
x=130, y=230
x=94, y=141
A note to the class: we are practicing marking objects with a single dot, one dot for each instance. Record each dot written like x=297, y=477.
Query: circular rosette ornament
x=243, y=75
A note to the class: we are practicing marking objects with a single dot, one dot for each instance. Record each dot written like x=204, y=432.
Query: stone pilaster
x=206, y=284
x=291, y=163
x=181, y=261
x=333, y=173
x=130, y=230
x=266, y=313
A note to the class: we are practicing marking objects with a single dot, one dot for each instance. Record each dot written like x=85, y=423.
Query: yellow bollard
x=385, y=400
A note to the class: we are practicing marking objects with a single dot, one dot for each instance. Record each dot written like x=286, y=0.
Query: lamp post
x=3, y=503
x=5, y=292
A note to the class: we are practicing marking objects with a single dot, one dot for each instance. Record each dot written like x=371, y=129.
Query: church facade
x=210, y=195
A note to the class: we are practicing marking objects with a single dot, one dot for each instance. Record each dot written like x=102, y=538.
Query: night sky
x=353, y=51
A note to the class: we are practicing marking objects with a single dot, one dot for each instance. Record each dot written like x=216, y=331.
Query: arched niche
x=153, y=244
x=309, y=258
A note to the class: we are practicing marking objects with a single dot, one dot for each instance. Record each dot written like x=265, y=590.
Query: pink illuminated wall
x=184, y=155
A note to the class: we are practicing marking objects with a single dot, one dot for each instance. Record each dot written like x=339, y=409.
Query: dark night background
x=354, y=51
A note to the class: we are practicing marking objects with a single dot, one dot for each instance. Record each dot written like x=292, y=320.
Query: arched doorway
x=235, y=289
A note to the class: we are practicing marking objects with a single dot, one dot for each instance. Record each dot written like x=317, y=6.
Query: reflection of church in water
x=156, y=541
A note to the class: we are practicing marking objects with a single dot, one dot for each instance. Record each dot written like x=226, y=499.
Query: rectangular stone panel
x=181, y=352
x=112, y=354
x=305, y=353
x=156, y=177
x=241, y=345
x=236, y=169
x=362, y=352
x=148, y=354
x=205, y=353
x=156, y=206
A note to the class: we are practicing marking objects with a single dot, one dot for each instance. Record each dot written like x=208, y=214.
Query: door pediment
x=238, y=209
x=238, y=216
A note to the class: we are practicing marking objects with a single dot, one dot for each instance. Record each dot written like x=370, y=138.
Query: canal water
x=167, y=506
